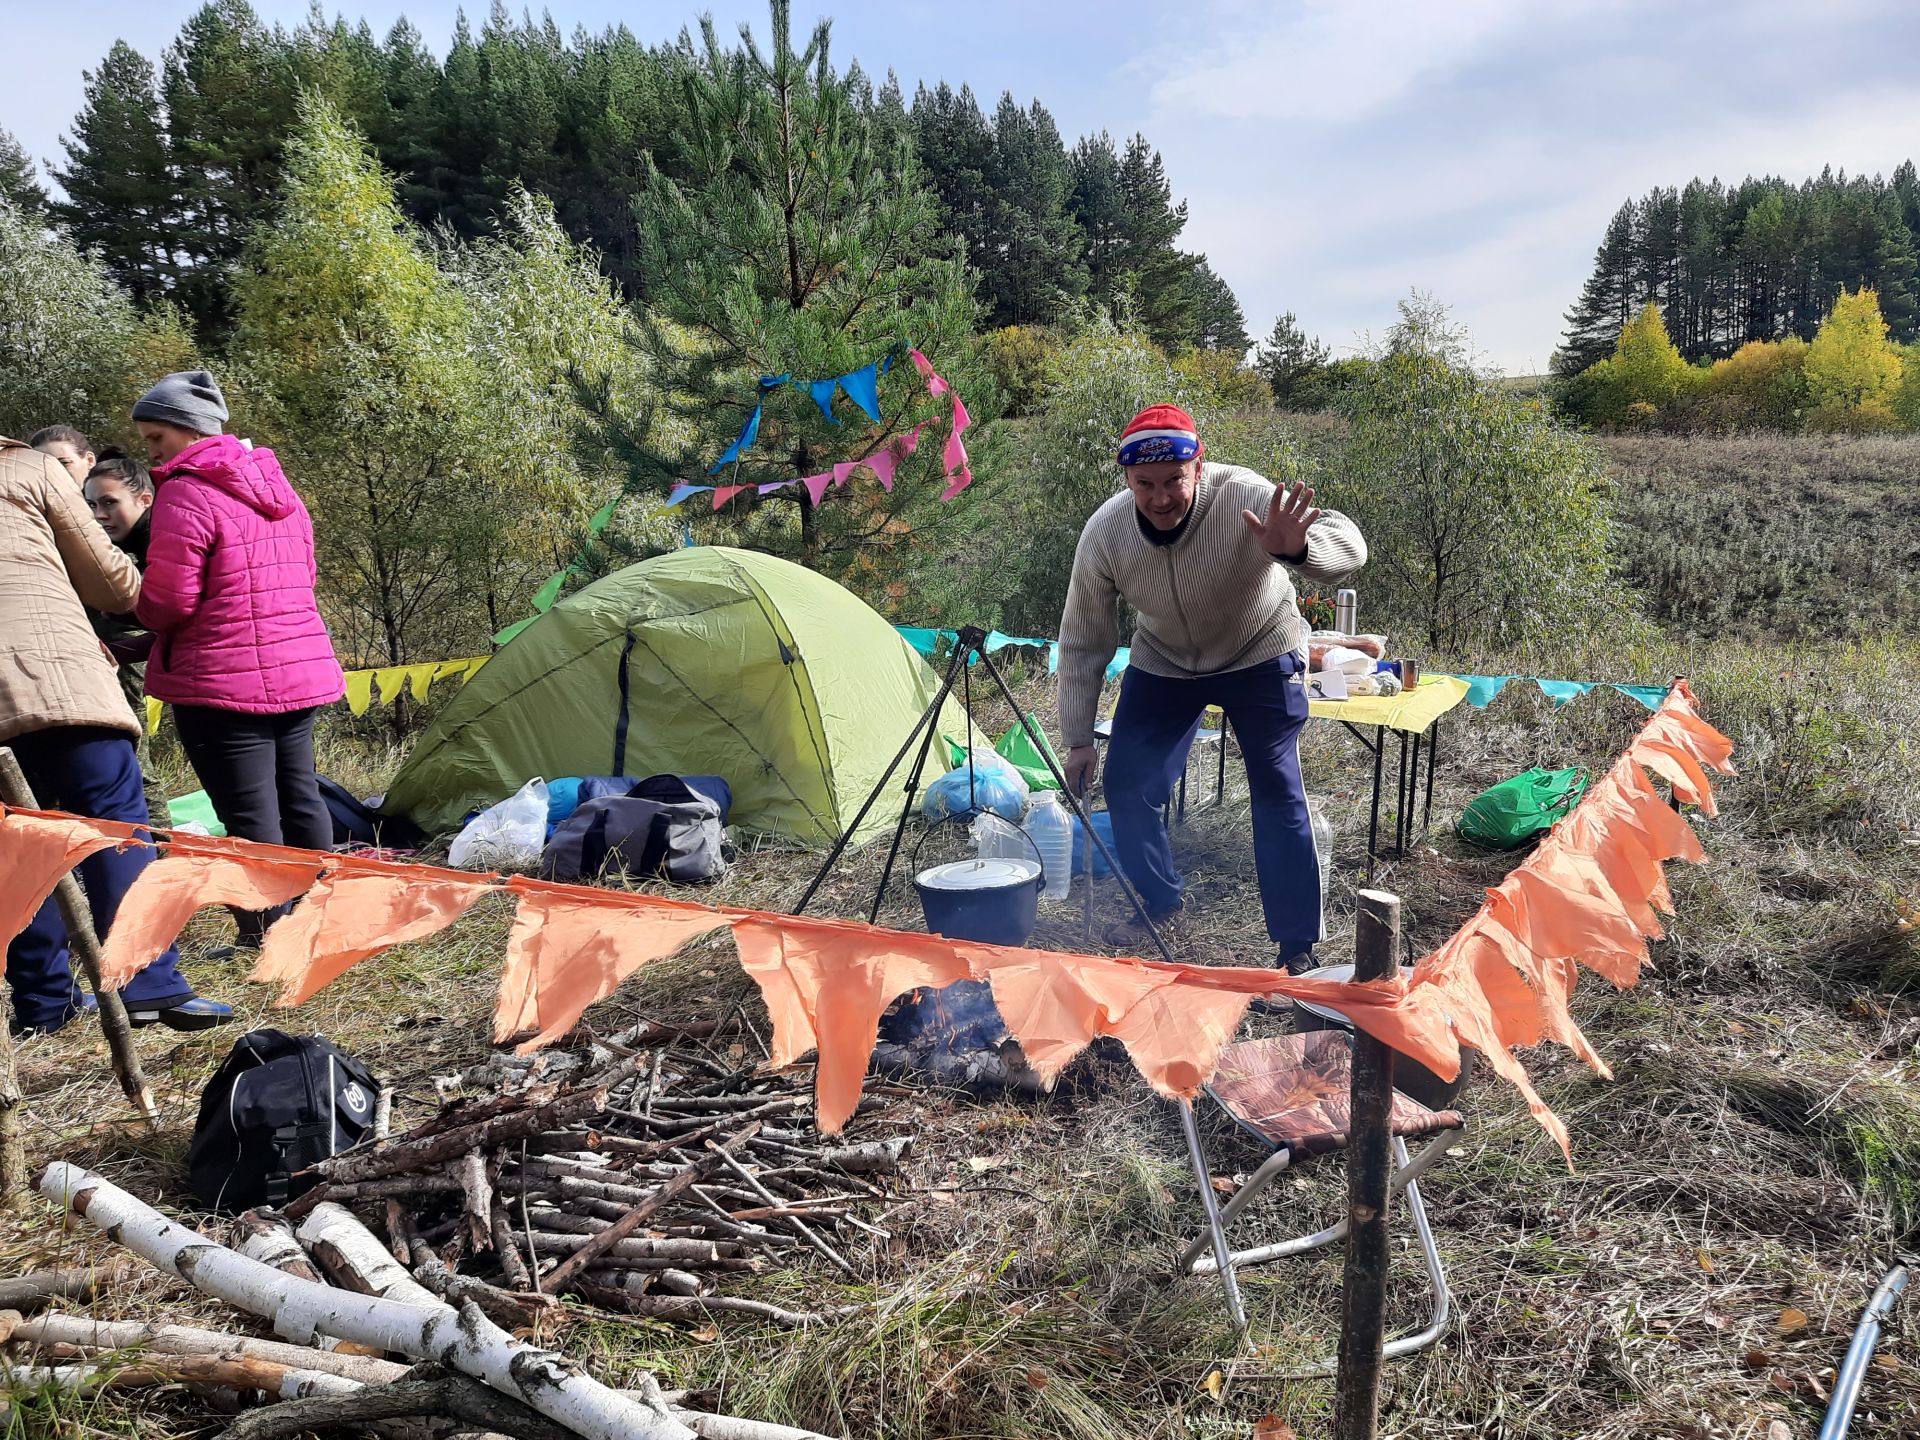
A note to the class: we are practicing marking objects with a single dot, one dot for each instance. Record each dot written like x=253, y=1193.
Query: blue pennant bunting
x=744, y=442
x=863, y=388
x=1483, y=690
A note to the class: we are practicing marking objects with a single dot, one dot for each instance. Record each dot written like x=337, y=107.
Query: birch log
x=354, y=1258
x=77, y=1332
x=283, y=1382
x=269, y=1239
x=463, y=1340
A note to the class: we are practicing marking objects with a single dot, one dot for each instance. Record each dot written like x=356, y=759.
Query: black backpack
x=278, y=1104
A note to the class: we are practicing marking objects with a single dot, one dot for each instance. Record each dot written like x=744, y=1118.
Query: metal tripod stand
x=971, y=644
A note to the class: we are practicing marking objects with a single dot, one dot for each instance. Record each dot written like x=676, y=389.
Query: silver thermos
x=1346, y=611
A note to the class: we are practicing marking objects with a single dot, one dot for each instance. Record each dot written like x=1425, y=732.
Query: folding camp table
x=1415, y=716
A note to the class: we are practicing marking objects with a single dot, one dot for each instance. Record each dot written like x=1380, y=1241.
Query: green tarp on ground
x=706, y=661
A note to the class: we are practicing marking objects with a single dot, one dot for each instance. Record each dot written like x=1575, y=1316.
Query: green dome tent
x=707, y=661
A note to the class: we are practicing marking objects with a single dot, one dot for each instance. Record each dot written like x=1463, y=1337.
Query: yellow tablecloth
x=1411, y=710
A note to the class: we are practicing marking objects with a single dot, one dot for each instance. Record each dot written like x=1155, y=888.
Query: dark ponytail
x=116, y=464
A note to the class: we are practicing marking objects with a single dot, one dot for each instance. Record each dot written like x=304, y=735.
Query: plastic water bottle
x=1322, y=845
x=1051, y=829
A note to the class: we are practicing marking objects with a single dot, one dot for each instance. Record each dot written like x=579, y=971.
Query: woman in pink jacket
x=240, y=651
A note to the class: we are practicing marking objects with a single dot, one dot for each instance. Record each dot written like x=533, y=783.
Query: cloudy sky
x=1334, y=153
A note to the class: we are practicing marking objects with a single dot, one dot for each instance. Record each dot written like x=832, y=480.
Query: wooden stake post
x=1369, y=1164
x=84, y=946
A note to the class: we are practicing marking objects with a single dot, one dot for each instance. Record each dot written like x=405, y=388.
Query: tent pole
x=926, y=721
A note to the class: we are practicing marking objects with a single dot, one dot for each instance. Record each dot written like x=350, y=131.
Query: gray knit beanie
x=190, y=399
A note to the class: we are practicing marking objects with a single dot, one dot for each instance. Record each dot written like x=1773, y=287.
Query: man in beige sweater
x=1201, y=553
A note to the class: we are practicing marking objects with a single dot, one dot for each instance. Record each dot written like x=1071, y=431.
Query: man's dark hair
x=55, y=434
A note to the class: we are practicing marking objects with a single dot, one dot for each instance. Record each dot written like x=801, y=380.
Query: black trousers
x=258, y=771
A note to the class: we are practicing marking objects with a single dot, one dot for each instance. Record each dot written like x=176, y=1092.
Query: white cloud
x=1477, y=151
x=1329, y=62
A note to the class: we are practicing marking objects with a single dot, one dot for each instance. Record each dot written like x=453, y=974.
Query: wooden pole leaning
x=84, y=946
x=1369, y=1170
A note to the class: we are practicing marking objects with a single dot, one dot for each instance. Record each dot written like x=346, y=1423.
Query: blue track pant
x=1153, y=729
x=94, y=772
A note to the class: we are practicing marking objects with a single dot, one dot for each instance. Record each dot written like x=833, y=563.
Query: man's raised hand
x=1283, y=534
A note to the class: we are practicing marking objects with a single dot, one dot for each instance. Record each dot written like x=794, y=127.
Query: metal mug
x=1409, y=674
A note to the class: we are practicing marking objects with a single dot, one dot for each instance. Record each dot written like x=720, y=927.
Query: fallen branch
x=478, y=1191
x=31, y=1292
x=464, y=1340
x=426, y=1391
x=398, y=1157
x=695, y=1309
x=507, y=1308
x=806, y=1233
x=284, y=1382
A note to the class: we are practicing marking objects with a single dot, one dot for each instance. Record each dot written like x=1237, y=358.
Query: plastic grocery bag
x=994, y=785
x=1018, y=749
x=506, y=836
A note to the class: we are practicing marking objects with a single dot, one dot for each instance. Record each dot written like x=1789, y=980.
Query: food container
x=994, y=901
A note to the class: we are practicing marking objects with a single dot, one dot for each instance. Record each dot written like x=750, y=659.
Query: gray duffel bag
x=665, y=828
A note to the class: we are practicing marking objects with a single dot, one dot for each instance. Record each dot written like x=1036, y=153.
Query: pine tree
x=1157, y=278
x=1606, y=302
x=955, y=148
x=19, y=181
x=121, y=203
x=1033, y=269
x=1219, y=323
x=1093, y=170
x=230, y=90
x=1287, y=358
x=798, y=243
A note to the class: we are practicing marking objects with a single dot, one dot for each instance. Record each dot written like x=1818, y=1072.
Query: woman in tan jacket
x=64, y=717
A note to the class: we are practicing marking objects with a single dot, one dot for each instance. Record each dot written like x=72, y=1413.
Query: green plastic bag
x=1513, y=812
x=195, y=809
x=1019, y=751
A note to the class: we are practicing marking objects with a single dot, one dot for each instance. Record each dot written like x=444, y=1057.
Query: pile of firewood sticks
x=630, y=1173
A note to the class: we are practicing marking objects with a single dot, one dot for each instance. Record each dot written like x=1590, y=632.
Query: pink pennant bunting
x=959, y=474
x=817, y=486
x=935, y=385
x=881, y=462
x=776, y=485
x=724, y=493
x=844, y=471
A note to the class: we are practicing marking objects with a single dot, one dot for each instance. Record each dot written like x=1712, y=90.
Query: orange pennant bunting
x=826, y=983
x=163, y=899
x=36, y=851
x=568, y=949
x=1588, y=896
x=351, y=914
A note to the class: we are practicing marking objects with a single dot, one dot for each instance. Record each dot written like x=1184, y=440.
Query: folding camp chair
x=1292, y=1093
